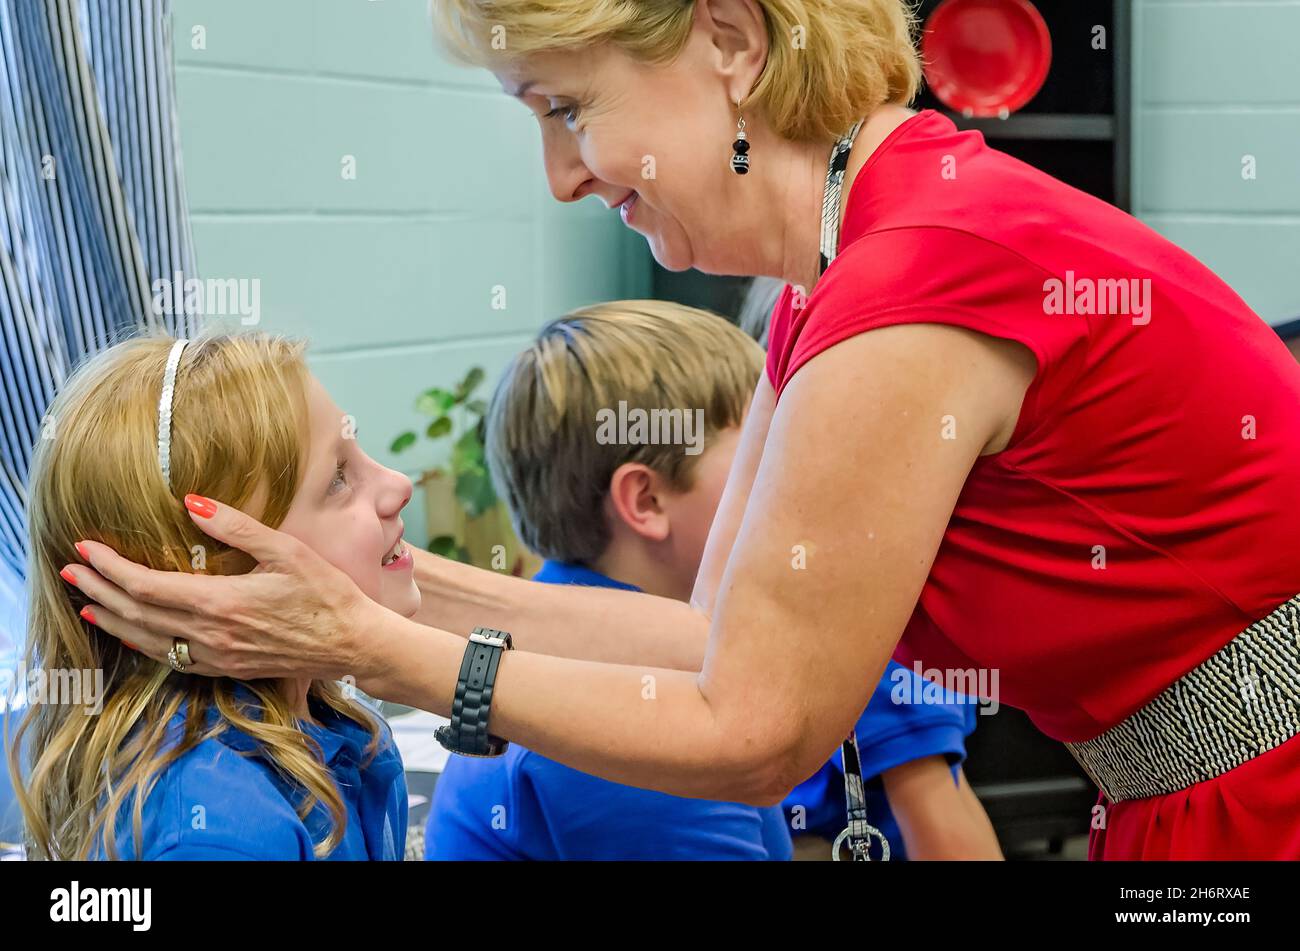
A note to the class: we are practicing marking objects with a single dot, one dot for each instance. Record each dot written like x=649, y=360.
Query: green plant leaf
x=439, y=427
x=405, y=441
x=468, y=385
x=467, y=453
x=478, y=407
x=435, y=402
x=474, y=491
x=444, y=545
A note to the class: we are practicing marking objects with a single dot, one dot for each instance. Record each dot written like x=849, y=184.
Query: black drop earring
x=740, y=148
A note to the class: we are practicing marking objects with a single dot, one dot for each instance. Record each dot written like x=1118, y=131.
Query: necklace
x=832, y=195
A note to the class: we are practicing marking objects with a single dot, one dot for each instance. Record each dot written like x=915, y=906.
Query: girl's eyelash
x=338, y=474
x=563, y=111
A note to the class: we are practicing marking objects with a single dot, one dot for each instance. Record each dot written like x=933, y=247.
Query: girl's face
x=348, y=509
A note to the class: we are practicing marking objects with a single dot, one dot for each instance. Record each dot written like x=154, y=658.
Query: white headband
x=165, y=411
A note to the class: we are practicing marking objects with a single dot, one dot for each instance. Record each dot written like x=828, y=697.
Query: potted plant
x=465, y=519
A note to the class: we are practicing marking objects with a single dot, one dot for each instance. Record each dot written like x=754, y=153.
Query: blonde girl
x=165, y=764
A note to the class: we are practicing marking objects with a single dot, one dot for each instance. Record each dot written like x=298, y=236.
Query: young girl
x=173, y=765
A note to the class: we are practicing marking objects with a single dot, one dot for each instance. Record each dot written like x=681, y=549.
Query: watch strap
x=467, y=733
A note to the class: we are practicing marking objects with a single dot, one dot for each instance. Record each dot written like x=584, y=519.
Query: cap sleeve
x=778, y=334
x=936, y=276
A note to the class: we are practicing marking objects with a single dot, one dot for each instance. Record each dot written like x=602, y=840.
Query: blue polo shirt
x=890, y=733
x=524, y=806
x=224, y=800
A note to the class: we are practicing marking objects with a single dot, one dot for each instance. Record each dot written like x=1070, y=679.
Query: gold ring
x=179, y=655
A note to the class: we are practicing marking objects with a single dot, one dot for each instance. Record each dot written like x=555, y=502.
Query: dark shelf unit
x=1077, y=127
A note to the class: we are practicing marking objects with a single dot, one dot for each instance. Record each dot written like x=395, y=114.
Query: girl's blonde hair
x=829, y=62
x=239, y=434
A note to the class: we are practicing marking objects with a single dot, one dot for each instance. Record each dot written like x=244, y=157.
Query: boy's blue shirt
x=224, y=800
x=889, y=734
x=524, y=806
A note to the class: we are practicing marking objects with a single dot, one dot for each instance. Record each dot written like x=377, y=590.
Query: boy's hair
x=542, y=444
x=239, y=430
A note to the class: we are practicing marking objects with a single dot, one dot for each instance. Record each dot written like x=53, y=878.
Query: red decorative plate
x=986, y=57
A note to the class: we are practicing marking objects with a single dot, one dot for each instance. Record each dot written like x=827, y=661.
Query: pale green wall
x=390, y=275
x=1214, y=81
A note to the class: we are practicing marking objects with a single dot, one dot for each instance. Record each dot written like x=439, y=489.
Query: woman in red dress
x=1005, y=427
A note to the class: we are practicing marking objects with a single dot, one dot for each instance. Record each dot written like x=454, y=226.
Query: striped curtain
x=92, y=209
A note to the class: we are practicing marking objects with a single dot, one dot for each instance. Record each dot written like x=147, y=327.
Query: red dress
x=1145, y=511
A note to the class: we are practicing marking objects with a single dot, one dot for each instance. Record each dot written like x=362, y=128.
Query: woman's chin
x=670, y=259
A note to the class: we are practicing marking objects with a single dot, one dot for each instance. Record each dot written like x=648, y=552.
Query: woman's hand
x=294, y=615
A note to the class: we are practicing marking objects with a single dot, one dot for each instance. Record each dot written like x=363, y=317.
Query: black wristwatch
x=467, y=734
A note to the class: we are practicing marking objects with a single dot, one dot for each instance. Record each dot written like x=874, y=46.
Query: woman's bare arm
x=735, y=498
x=591, y=623
x=560, y=619
x=852, y=496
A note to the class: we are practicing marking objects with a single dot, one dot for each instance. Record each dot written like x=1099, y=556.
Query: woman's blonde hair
x=542, y=445
x=829, y=62
x=239, y=433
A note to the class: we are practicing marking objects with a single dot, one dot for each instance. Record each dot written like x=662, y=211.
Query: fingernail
x=81, y=550
x=88, y=614
x=130, y=645
x=203, y=508
x=67, y=575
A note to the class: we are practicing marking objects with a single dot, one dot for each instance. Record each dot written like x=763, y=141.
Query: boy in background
x=613, y=494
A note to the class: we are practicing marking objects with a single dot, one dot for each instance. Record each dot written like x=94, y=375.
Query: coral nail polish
x=131, y=646
x=88, y=614
x=81, y=550
x=203, y=508
x=67, y=575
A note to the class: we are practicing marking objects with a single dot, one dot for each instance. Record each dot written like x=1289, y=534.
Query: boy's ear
x=634, y=500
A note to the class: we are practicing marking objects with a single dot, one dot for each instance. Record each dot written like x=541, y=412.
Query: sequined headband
x=165, y=411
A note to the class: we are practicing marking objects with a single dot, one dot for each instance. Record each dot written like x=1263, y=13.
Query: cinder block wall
x=394, y=274
x=1216, y=137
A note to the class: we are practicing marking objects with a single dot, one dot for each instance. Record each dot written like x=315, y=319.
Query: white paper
x=413, y=734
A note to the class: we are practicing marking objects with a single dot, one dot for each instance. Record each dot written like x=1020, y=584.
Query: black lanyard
x=859, y=832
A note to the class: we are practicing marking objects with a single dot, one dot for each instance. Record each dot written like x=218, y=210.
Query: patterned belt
x=1238, y=704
